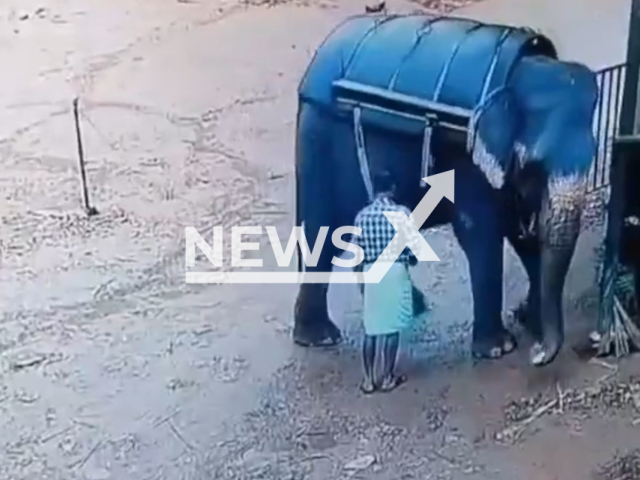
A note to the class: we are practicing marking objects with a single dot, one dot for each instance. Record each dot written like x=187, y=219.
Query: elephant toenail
x=537, y=354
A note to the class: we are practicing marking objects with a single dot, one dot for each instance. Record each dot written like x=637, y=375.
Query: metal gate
x=606, y=123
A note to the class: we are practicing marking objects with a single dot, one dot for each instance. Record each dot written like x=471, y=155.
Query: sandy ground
x=111, y=367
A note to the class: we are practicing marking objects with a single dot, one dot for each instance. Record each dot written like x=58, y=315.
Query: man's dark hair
x=383, y=182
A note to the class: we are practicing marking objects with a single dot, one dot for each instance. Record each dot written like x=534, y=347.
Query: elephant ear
x=492, y=134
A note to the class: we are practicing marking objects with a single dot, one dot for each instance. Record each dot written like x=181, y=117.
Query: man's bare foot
x=392, y=382
x=367, y=386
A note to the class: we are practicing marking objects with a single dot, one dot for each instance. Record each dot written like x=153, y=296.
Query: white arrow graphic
x=442, y=185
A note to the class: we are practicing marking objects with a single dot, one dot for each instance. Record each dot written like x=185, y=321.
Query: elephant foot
x=543, y=353
x=312, y=325
x=492, y=350
x=319, y=334
x=509, y=343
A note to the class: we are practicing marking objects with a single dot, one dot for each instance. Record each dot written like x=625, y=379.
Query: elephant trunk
x=559, y=224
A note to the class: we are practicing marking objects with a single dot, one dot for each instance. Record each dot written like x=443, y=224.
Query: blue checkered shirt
x=377, y=230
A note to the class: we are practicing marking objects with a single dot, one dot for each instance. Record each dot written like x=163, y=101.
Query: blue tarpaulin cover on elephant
x=453, y=61
x=410, y=74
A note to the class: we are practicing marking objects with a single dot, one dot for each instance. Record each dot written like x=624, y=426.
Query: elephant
x=521, y=156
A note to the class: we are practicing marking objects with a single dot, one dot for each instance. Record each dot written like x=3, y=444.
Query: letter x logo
x=442, y=185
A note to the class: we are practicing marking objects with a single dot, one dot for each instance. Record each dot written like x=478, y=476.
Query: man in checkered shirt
x=388, y=305
x=378, y=232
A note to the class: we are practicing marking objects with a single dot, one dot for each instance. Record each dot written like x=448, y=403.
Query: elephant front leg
x=528, y=313
x=526, y=243
x=559, y=230
x=478, y=227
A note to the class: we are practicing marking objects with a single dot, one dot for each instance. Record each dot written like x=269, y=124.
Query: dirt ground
x=111, y=367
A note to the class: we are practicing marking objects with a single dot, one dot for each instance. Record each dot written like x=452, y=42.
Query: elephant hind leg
x=313, y=327
x=314, y=210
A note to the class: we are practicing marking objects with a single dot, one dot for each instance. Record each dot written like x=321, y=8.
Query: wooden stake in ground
x=83, y=176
